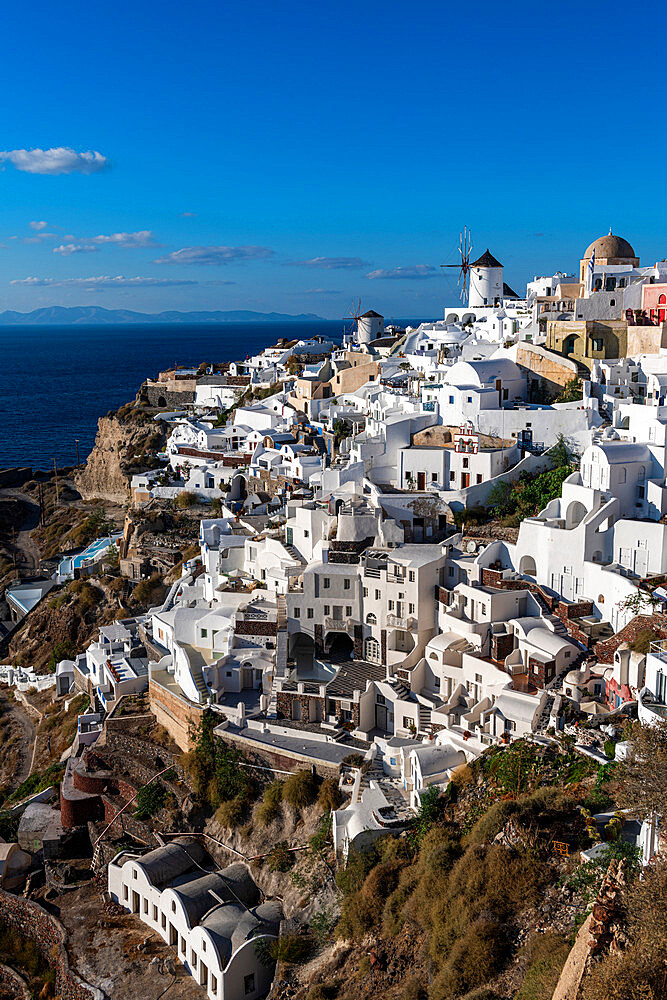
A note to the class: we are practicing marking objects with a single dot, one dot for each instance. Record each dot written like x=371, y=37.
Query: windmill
x=354, y=315
x=465, y=249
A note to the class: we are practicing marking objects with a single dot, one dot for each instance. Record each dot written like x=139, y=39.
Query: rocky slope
x=126, y=442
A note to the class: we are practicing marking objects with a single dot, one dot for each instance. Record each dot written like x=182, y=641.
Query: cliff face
x=126, y=443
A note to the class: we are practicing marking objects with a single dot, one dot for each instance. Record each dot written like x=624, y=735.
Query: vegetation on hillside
x=465, y=888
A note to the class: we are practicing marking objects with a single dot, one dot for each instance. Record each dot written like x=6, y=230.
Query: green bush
x=300, y=789
x=280, y=859
x=291, y=949
x=150, y=800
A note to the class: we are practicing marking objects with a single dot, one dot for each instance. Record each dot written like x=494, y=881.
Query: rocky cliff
x=126, y=443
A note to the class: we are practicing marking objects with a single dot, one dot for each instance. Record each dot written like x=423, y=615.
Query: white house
x=213, y=919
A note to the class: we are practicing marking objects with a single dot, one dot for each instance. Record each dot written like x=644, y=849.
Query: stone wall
x=144, y=756
x=279, y=760
x=256, y=628
x=14, y=984
x=308, y=702
x=157, y=394
x=546, y=366
x=174, y=713
x=605, y=649
x=32, y=922
x=348, y=552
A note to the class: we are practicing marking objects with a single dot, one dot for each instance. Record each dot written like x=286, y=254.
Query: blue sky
x=296, y=156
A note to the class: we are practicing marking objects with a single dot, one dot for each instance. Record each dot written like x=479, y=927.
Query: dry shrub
x=269, y=808
x=329, y=796
x=300, y=789
x=362, y=910
x=231, y=813
x=546, y=957
x=474, y=958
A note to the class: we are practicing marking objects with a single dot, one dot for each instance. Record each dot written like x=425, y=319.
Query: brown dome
x=610, y=246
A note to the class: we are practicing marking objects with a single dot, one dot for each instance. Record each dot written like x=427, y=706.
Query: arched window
x=371, y=619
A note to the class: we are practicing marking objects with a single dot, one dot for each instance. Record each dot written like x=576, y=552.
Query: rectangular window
x=348, y=611
x=411, y=609
x=297, y=612
x=327, y=610
x=346, y=584
x=309, y=613
x=479, y=477
x=125, y=893
x=164, y=921
x=411, y=576
x=378, y=595
x=452, y=476
x=466, y=463
x=380, y=699
x=478, y=678
x=204, y=633
x=434, y=477
x=365, y=591
x=451, y=399
x=193, y=958
x=326, y=582
x=214, y=984
x=249, y=983
x=390, y=605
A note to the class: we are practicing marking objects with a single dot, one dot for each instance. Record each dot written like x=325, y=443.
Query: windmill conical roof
x=486, y=260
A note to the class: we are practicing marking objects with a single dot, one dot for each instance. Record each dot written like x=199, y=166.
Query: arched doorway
x=576, y=512
x=527, y=566
x=662, y=302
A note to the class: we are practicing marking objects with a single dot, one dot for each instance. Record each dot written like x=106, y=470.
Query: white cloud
x=126, y=241
x=40, y=237
x=143, y=238
x=67, y=249
x=321, y=291
x=188, y=215
x=215, y=255
x=58, y=160
x=331, y=263
x=102, y=281
x=38, y=225
x=413, y=271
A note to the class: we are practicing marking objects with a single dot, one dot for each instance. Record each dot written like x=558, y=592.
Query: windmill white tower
x=486, y=282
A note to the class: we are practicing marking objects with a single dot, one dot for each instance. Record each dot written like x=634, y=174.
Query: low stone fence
x=143, y=754
x=33, y=922
x=14, y=984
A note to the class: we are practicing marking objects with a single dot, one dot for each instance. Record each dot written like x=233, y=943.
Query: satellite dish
x=471, y=547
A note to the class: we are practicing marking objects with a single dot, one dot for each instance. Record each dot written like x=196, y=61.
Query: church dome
x=610, y=246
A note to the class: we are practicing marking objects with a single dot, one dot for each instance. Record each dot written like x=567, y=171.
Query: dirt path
x=27, y=550
x=28, y=741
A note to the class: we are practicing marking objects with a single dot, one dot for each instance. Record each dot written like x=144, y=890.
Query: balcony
x=340, y=625
x=406, y=623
